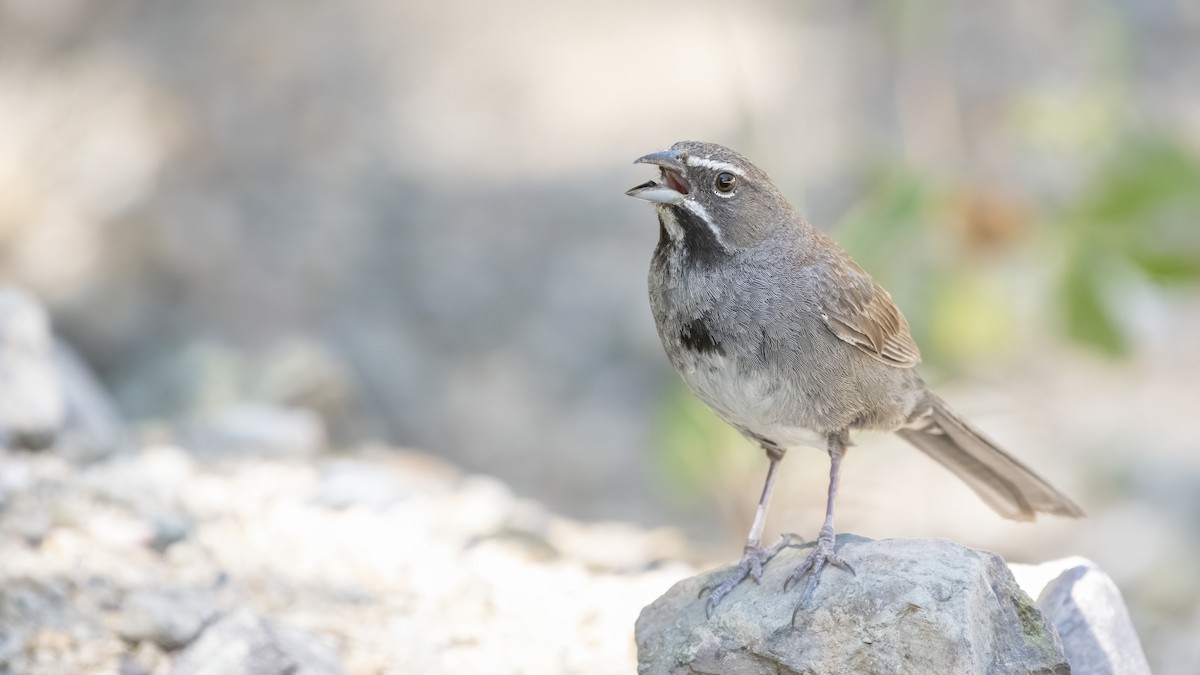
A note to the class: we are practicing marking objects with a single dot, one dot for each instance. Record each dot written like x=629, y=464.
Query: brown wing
x=860, y=312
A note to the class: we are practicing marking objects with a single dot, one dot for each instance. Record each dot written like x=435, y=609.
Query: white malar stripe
x=669, y=221
x=702, y=213
x=714, y=165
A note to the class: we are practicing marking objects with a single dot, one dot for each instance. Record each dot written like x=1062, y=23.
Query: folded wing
x=860, y=312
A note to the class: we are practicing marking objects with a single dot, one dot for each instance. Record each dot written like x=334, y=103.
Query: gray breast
x=764, y=362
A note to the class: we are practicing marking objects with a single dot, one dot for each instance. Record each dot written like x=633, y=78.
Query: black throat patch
x=699, y=244
x=695, y=336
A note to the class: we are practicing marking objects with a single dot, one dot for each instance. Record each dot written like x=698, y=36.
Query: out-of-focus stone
x=92, y=427
x=617, y=547
x=171, y=618
x=257, y=429
x=131, y=666
x=11, y=644
x=32, y=403
x=48, y=394
x=1087, y=610
x=346, y=483
x=912, y=606
x=169, y=528
x=246, y=644
x=433, y=571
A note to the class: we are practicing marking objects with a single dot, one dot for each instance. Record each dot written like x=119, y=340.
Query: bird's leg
x=822, y=553
x=754, y=556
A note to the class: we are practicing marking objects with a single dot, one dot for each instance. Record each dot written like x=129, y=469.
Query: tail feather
x=1012, y=489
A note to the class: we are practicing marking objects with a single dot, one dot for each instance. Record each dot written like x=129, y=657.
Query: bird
x=786, y=338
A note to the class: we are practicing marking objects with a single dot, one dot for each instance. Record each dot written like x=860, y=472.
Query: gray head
x=711, y=199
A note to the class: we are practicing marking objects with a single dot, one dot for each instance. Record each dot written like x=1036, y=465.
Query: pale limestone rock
x=247, y=644
x=1090, y=616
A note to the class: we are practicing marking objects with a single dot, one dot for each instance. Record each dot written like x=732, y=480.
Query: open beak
x=673, y=188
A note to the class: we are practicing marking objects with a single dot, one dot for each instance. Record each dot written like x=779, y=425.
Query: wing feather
x=859, y=311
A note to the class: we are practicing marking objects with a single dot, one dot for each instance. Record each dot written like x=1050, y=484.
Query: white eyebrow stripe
x=714, y=165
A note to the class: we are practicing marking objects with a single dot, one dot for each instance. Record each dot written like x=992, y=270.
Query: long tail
x=1007, y=485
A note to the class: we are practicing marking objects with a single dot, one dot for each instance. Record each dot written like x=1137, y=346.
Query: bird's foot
x=751, y=565
x=821, y=555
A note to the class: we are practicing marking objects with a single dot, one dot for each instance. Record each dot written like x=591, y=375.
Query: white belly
x=751, y=401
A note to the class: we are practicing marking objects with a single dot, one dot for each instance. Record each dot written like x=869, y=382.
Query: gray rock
x=171, y=618
x=913, y=606
x=1087, y=610
x=246, y=644
x=348, y=483
x=12, y=643
x=130, y=666
x=92, y=427
x=170, y=527
x=260, y=429
x=32, y=404
x=48, y=394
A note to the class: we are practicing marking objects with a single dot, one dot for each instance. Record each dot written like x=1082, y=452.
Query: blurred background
x=409, y=219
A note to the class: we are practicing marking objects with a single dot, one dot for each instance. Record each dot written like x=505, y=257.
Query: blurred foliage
x=958, y=256
x=946, y=252
x=1139, y=215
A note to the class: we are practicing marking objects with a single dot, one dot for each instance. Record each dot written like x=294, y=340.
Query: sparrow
x=773, y=326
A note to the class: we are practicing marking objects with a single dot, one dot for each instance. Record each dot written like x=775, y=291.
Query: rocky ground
x=384, y=561
x=237, y=542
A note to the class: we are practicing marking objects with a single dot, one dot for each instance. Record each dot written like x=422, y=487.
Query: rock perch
x=913, y=606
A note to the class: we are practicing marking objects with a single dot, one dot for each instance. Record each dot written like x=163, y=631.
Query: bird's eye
x=724, y=182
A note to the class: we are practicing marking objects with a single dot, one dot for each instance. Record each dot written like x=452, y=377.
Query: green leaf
x=1167, y=268
x=1143, y=178
x=1088, y=319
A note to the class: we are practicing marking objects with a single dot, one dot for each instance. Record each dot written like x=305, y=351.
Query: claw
x=751, y=565
x=821, y=555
